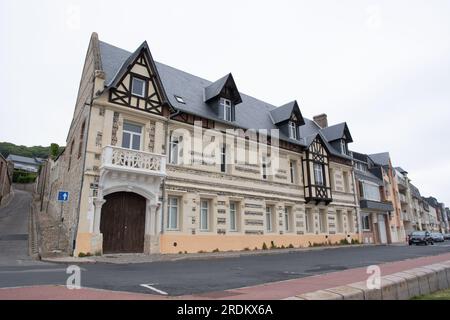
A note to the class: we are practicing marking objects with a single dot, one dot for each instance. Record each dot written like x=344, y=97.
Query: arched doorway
x=122, y=222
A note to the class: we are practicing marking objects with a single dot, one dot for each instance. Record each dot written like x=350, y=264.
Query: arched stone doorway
x=123, y=220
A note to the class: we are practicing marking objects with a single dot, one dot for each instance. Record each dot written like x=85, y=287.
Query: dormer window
x=226, y=105
x=343, y=146
x=138, y=87
x=292, y=130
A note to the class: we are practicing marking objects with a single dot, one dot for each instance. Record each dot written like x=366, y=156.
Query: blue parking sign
x=63, y=196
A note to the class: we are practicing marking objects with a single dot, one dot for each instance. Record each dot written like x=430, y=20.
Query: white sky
x=381, y=66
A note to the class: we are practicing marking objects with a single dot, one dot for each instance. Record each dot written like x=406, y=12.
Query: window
x=346, y=178
x=131, y=138
x=226, y=105
x=339, y=222
x=269, y=219
x=223, y=158
x=179, y=99
x=80, y=144
x=138, y=87
x=292, y=130
x=370, y=191
x=172, y=218
x=204, y=215
x=287, y=219
x=365, y=222
x=343, y=146
x=309, y=221
x=349, y=221
x=292, y=165
x=173, y=154
x=233, y=216
x=264, y=168
x=318, y=174
x=323, y=221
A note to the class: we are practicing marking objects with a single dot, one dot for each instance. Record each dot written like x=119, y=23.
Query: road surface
x=186, y=276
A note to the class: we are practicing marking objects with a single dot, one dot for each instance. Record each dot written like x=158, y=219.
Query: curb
x=202, y=256
x=397, y=286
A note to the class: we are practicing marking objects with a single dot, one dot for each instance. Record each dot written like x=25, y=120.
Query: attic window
x=292, y=130
x=138, y=87
x=226, y=105
x=179, y=99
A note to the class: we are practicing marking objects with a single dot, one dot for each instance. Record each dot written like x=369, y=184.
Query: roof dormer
x=289, y=119
x=223, y=95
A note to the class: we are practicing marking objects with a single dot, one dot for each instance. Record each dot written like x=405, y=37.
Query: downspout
x=358, y=211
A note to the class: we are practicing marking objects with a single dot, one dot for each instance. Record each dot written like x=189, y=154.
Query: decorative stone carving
x=115, y=127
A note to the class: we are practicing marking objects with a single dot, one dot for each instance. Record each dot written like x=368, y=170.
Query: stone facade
x=6, y=170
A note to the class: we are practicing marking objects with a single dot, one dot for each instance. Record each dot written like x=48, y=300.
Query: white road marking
x=36, y=271
x=149, y=286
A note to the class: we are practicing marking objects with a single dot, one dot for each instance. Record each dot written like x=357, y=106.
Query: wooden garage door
x=123, y=222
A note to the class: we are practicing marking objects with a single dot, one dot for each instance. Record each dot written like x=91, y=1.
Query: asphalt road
x=189, y=276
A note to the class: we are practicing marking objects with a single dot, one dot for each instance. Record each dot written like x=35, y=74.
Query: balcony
x=133, y=161
x=401, y=182
x=403, y=199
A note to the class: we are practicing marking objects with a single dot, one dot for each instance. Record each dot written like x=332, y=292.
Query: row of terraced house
x=161, y=161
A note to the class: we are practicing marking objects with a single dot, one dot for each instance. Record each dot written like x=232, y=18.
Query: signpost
x=63, y=196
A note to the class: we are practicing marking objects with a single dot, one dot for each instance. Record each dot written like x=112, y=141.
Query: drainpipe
x=358, y=211
x=167, y=139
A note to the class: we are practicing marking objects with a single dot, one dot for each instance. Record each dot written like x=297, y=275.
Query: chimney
x=321, y=120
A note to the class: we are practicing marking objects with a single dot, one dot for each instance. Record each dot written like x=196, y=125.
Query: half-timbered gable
x=137, y=83
x=316, y=172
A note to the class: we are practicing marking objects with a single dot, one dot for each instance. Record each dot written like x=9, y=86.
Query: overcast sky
x=381, y=66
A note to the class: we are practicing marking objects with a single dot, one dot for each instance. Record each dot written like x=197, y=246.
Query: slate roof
x=251, y=113
x=337, y=131
x=381, y=159
x=284, y=112
x=368, y=176
x=214, y=89
x=27, y=160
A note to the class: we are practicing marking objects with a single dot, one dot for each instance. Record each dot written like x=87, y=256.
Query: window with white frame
x=292, y=171
x=318, y=174
x=131, y=136
x=226, y=107
x=174, y=150
x=343, y=146
x=173, y=211
x=309, y=221
x=323, y=221
x=287, y=219
x=233, y=216
x=269, y=218
x=365, y=222
x=371, y=191
x=204, y=215
x=292, y=130
x=138, y=87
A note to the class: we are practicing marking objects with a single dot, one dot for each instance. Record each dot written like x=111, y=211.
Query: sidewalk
x=272, y=291
x=145, y=258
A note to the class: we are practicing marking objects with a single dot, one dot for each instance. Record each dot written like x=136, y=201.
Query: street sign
x=63, y=196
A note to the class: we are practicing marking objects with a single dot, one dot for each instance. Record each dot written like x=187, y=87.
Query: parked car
x=447, y=236
x=437, y=237
x=420, y=237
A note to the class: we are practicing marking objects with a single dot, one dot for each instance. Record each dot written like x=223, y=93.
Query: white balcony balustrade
x=121, y=159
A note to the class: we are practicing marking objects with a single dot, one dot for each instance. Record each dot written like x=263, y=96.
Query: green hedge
x=24, y=177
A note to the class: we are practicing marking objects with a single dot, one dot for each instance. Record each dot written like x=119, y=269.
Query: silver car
x=437, y=237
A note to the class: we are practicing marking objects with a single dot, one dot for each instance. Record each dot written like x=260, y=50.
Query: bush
x=291, y=246
x=23, y=176
x=272, y=245
x=264, y=246
x=216, y=250
x=256, y=249
x=246, y=249
x=82, y=254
